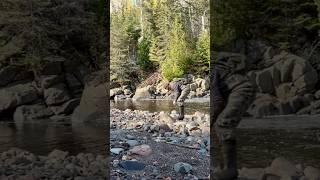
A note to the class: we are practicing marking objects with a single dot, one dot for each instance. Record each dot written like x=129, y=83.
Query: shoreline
x=20, y=164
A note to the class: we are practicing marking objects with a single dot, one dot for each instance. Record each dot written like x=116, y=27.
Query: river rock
x=312, y=173
x=31, y=112
x=132, y=165
x=200, y=92
x=253, y=173
x=283, y=168
x=144, y=93
x=67, y=108
x=93, y=104
x=317, y=95
x=165, y=127
x=58, y=154
x=205, y=84
x=192, y=126
x=143, y=150
x=116, y=150
x=264, y=81
x=284, y=108
x=60, y=118
x=165, y=118
x=56, y=95
x=284, y=92
x=50, y=80
x=132, y=143
x=115, y=91
x=193, y=86
x=298, y=102
x=127, y=92
x=155, y=128
x=183, y=168
x=192, y=94
x=263, y=105
x=14, y=96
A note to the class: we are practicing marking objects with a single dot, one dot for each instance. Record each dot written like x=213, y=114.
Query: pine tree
x=201, y=62
x=122, y=67
x=177, y=59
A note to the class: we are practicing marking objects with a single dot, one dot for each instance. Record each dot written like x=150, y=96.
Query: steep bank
x=45, y=60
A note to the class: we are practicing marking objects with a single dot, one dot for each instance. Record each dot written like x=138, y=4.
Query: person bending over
x=180, y=93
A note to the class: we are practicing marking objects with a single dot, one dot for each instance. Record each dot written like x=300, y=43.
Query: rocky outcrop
x=285, y=84
x=12, y=97
x=56, y=95
x=93, y=104
x=144, y=93
x=31, y=112
x=56, y=66
x=290, y=75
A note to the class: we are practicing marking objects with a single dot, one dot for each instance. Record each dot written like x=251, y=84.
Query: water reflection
x=162, y=105
x=42, y=138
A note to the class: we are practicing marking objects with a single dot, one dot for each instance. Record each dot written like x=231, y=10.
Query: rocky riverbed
x=161, y=146
x=153, y=145
x=19, y=164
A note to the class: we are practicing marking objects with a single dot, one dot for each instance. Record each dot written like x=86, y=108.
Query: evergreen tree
x=122, y=67
x=201, y=62
x=177, y=58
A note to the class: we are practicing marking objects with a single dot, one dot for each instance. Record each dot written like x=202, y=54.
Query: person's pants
x=236, y=105
x=184, y=94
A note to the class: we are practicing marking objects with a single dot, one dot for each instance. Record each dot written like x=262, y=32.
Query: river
x=41, y=138
x=296, y=138
x=260, y=140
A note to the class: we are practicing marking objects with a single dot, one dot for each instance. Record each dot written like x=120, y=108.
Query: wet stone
x=132, y=165
x=183, y=168
x=116, y=150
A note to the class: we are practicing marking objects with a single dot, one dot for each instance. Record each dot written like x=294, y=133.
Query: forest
x=168, y=36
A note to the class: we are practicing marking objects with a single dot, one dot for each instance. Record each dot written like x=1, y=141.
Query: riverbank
x=161, y=145
x=158, y=143
x=19, y=164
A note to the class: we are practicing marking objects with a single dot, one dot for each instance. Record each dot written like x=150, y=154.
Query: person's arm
x=176, y=92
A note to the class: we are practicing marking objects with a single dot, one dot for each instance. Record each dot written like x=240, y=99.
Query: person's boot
x=181, y=114
x=229, y=154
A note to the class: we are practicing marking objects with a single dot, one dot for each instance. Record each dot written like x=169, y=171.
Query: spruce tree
x=177, y=58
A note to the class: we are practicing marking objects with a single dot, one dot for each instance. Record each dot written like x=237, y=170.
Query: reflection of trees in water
x=41, y=139
x=91, y=137
x=258, y=147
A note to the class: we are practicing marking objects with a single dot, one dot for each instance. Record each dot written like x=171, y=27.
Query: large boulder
x=144, y=93
x=115, y=91
x=94, y=101
x=17, y=95
x=7, y=74
x=264, y=81
x=263, y=105
x=283, y=168
x=50, y=80
x=289, y=75
x=56, y=95
x=31, y=112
